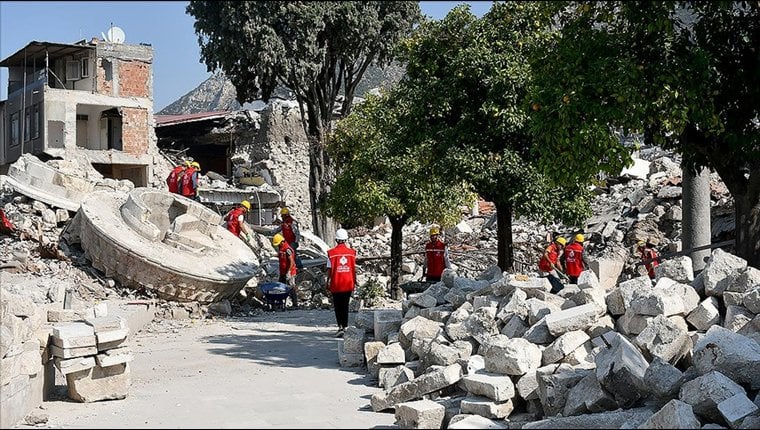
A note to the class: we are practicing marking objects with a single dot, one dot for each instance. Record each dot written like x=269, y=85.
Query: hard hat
x=246, y=204
x=561, y=240
x=341, y=234
x=195, y=164
x=277, y=239
x=435, y=230
x=641, y=243
x=285, y=211
x=187, y=163
x=579, y=238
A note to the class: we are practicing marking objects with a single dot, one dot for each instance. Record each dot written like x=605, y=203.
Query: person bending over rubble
x=236, y=221
x=286, y=257
x=649, y=254
x=575, y=258
x=341, y=278
x=288, y=228
x=550, y=263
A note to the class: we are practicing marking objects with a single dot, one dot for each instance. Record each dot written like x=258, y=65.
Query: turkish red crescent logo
x=343, y=260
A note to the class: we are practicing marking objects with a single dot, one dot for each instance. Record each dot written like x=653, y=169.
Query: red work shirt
x=342, y=268
x=574, y=259
x=187, y=188
x=647, y=254
x=545, y=265
x=435, y=255
x=287, y=229
x=286, y=254
x=233, y=222
x=173, y=179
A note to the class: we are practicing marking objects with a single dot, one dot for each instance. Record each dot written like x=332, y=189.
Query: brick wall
x=104, y=87
x=134, y=130
x=134, y=77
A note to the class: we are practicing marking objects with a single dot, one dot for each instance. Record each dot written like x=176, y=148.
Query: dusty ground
x=276, y=370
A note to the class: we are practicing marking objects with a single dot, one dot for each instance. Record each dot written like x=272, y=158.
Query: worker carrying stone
x=286, y=258
x=649, y=256
x=550, y=264
x=436, y=257
x=235, y=219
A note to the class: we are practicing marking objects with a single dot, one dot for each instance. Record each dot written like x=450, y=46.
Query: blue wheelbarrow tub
x=275, y=290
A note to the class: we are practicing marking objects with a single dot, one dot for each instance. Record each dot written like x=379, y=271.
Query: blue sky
x=163, y=24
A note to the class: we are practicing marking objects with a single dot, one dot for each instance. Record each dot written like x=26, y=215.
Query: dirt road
x=276, y=370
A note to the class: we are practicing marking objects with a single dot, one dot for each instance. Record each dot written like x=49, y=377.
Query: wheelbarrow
x=275, y=294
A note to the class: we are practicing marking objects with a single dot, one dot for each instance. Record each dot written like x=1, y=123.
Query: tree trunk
x=505, y=259
x=747, y=215
x=397, y=224
x=320, y=180
x=696, y=215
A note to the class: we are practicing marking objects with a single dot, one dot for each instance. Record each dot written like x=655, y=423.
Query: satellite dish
x=116, y=35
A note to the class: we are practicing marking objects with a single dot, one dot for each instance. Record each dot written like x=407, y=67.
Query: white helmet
x=341, y=234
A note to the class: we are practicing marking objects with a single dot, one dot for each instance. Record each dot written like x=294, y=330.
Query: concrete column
x=696, y=230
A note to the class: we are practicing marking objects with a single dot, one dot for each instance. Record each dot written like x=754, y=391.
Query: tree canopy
x=315, y=49
x=467, y=81
x=687, y=74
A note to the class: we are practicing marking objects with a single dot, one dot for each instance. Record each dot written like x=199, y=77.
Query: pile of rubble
x=500, y=351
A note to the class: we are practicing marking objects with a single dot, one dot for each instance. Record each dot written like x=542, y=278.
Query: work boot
x=340, y=332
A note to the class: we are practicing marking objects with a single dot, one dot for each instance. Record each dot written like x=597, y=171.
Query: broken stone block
x=492, y=385
x=588, y=396
x=515, y=306
x=734, y=355
x=423, y=300
x=748, y=279
x=386, y=321
x=486, y=407
x=489, y=301
x=66, y=353
x=349, y=359
x=477, y=422
x=678, y=269
x=601, y=326
x=63, y=315
x=482, y=324
x=443, y=355
x=515, y=327
x=751, y=300
x=554, y=386
x=418, y=327
x=427, y=383
x=527, y=385
x=662, y=378
x=111, y=336
x=735, y=408
x=630, y=287
x=632, y=323
x=420, y=414
x=537, y=309
x=113, y=357
x=707, y=391
x=588, y=279
x=73, y=335
x=630, y=419
x=99, y=383
x=74, y=364
x=737, y=317
x=731, y=298
x=674, y=415
x=107, y=323
x=717, y=271
x=366, y=320
x=620, y=369
x=608, y=269
x=664, y=339
x=389, y=377
x=577, y=318
x=563, y=346
x=657, y=302
x=354, y=339
x=614, y=302
x=510, y=356
x=392, y=354
x=539, y=334
x=705, y=315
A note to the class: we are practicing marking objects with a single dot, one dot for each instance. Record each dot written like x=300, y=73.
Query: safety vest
x=545, y=264
x=574, y=259
x=435, y=252
x=287, y=229
x=186, y=184
x=342, y=268
x=647, y=254
x=233, y=224
x=285, y=254
x=172, y=179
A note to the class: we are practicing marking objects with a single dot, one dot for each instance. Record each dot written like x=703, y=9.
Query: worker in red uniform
x=436, y=257
x=286, y=257
x=236, y=221
x=188, y=185
x=575, y=258
x=172, y=181
x=288, y=228
x=550, y=264
x=649, y=253
x=341, y=277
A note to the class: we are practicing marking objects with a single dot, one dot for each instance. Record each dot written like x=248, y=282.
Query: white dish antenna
x=115, y=35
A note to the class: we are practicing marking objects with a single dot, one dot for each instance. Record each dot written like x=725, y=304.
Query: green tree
x=467, y=82
x=380, y=176
x=315, y=49
x=687, y=74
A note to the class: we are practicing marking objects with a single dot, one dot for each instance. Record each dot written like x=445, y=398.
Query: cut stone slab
x=620, y=369
x=630, y=418
x=674, y=415
x=109, y=337
x=491, y=385
x=563, y=346
x=420, y=414
x=99, y=383
x=732, y=354
x=73, y=335
x=349, y=359
x=705, y=315
x=664, y=339
x=662, y=378
x=478, y=422
x=74, y=364
x=385, y=322
x=679, y=269
x=67, y=353
x=577, y=318
x=510, y=356
x=415, y=389
x=113, y=357
x=554, y=386
x=418, y=327
x=486, y=407
x=353, y=339
x=735, y=408
x=717, y=271
x=389, y=377
x=707, y=391
x=736, y=317
x=392, y=354
x=588, y=396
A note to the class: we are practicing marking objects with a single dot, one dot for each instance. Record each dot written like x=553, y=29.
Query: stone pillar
x=696, y=215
